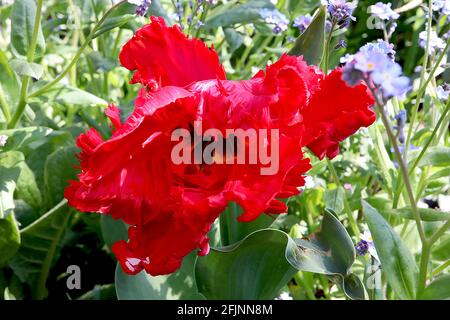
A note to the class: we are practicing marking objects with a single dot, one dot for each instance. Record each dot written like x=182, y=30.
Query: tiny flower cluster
x=141, y=6
x=275, y=18
x=386, y=16
x=374, y=64
x=340, y=12
x=442, y=6
x=302, y=22
x=443, y=92
x=436, y=44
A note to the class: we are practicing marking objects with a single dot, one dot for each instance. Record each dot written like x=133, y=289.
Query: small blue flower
x=443, y=92
x=276, y=18
x=141, y=6
x=374, y=62
x=380, y=46
x=391, y=81
x=302, y=22
x=351, y=75
x=436, y=43
x=341, y=12
x=401, y=118
x=341, y=44
x=362, y=248
x=383, y=11
x=442, y=6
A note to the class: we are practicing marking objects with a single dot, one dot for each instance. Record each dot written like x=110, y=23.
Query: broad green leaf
x=331, y=252
x=113, y=230
x=25, y=184
x=252, y=269
x=439, y=289
x=18, y=139
x=9, y=84
x=334, y=199
x=25, y=68
x=100, y=63
x=22, y=25
x=69, y=95
x=237, y=13
x=436, y=156
x=441, y=249
x=37, y=158
x=179, y=285
x=232, y=231
x=398, y=263
x=234, y=38
x=310, y=43
x=39, y=247
x=425, y=214
x=440, y=174
x=9, y=239
x=59, y=169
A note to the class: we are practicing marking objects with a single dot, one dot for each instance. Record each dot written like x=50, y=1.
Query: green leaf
x=9, y=84
x=232, y=231
x=40, y=244
x=22, y=25
x=113, y=230
x=331, y=252
x=334, y=199
x=112, y=23
x=25, y=68
x=25, y=184
x=425, y=214
x=254, y=268
x=18, y=139
x=65, y=94
x=179, y=285
x=310, y=43
x=10, y=238
x=59, y=169
x=436, y=156
x=237, y=13
x=398, y=263
x=37, y=157
x=439, y=289
x=234, y=39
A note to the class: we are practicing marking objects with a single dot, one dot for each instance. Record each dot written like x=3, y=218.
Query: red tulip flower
x=170, y=207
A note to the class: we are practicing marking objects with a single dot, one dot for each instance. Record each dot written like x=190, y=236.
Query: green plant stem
x=77, y=56
x=422, y=153
x=441, y=268
x=402, y=165
x=423, y=271
x=4, y=106
x=422, y=76
x=326, y=50
x=30, y=58
x=347, y=208
x=435, y=237
x=422, y=89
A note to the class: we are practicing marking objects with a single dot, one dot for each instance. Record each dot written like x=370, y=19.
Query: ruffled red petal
x=165, y=56
x=336, y=112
